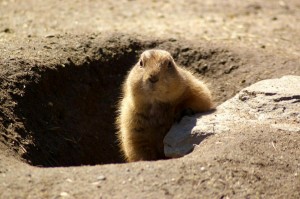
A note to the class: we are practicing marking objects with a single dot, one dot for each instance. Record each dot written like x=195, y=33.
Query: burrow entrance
x=69, y=113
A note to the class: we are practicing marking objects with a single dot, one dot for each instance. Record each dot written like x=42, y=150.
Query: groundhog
x=155, y=93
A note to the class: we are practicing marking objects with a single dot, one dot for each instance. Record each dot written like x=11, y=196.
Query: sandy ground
x=61, y=66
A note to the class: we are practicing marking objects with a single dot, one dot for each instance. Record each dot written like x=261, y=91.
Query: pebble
x=101, y=177
x=64, y=194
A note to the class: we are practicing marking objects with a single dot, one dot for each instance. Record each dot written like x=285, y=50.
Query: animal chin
x=150, y=87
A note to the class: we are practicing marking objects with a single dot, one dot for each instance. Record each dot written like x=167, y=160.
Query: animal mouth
x=151, y=87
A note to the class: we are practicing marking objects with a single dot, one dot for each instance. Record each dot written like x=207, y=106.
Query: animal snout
x=153, y=79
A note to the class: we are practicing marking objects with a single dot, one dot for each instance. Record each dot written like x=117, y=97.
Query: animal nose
x=153, y=79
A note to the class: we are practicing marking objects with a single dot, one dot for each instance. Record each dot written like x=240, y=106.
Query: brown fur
x=155, y=92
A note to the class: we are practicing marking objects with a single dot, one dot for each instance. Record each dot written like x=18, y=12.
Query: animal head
x=158, y=76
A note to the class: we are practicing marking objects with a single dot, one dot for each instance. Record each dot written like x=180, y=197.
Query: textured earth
x=61, y=67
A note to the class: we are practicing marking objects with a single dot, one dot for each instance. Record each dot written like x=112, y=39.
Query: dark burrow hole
x=69, y=114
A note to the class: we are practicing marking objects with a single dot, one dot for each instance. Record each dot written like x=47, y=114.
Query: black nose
x=153, y=79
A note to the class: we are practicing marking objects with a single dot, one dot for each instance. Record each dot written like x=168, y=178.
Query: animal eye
x=141, y=63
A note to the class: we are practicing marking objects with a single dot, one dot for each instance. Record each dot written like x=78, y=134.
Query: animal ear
x=170, y=64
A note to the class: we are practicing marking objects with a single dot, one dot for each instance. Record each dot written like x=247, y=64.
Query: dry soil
x=61, y=67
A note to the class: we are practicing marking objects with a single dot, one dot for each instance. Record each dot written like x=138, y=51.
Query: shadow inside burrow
x=69, y=113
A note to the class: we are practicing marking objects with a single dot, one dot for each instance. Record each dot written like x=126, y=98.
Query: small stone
x=64, y=194
x=69, y=180
x=50, y=36
x=101, y=177
x=96, y=183
x=222, y=62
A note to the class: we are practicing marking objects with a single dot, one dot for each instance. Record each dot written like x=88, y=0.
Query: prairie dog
x=155, y=92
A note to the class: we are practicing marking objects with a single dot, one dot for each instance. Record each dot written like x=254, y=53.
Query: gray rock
x=274, y=103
